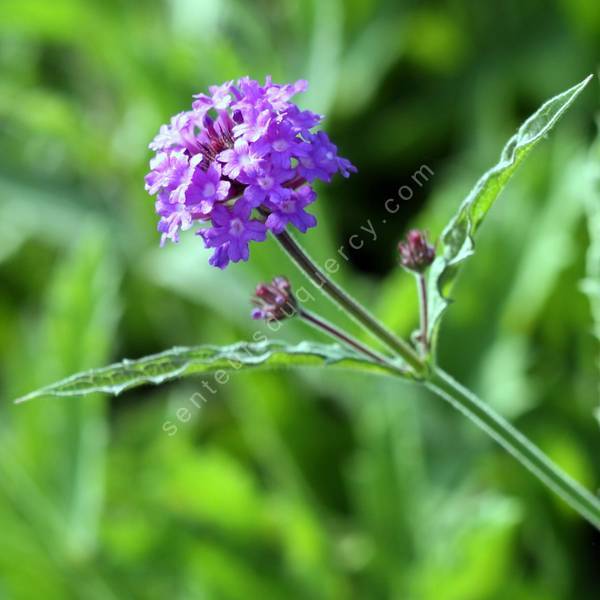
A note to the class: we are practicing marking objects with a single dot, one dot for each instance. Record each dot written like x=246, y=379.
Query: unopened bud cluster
x=274, y=301
x=416, y=253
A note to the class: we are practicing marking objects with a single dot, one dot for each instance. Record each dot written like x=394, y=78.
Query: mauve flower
x=252, y=125
x=240, y=158
x=268, y=184
x=174, y=216
x=206, y=188
x=322, y=161
x=242, y=161
x=232, y=231
x=179, y=134
x=291, y=211
x=168, y=168
x=282, y=142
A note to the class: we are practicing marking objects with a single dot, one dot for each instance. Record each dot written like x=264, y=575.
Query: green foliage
x=183, y=362
x=457, y=240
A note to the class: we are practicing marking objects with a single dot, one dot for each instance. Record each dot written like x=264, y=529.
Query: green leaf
x=457, y=239
x=183, y=362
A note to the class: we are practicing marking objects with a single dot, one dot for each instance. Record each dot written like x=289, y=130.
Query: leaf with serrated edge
x=182, y=362
x=457, y=239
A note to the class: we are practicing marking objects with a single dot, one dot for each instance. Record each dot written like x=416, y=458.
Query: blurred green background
x=301, y=484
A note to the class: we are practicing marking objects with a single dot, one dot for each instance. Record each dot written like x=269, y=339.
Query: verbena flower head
x=274, y=301
x=416, y=253
x=242, y=161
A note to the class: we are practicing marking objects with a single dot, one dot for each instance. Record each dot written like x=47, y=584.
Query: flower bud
x=416, y=254
x=274, y=301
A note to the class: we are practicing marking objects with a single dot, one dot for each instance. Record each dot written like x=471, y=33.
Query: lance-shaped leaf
x=183, y=362
x=457, y=239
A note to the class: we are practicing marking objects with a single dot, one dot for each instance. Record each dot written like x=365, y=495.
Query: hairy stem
x=422, y=286
x=529, y=455
x=341, y=336
x=348, y=303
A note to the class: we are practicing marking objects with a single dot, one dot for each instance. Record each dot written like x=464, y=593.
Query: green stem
x=422, y=287
x=529, y=455
x=498, y=428
x=348, y=303
x=341, y=336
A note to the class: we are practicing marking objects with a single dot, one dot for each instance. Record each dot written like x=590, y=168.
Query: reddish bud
x=274, y=301
x=416, y=254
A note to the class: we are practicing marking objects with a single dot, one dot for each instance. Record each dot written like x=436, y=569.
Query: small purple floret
x=242, y=160
x=232, y=231
x=291, y=211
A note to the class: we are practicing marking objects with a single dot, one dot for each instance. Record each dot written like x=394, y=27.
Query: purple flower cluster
x=242, y=160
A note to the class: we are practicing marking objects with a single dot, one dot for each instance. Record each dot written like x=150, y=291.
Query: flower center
x=245, y=160
x=265, y=182
x=236, y=227
x=280, y=145
x=209, y=190
x=289, y=206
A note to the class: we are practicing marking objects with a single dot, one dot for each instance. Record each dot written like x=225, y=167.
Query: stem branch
x=347, y=302
x=342, y=336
